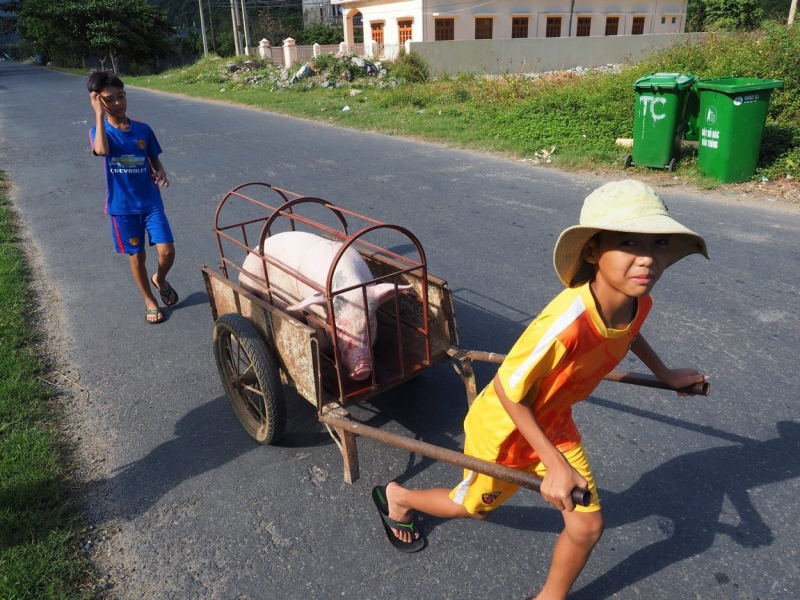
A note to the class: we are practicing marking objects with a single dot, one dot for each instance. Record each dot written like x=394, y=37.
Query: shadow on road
x=205, y=439
x=201, y=443
x=685, y=495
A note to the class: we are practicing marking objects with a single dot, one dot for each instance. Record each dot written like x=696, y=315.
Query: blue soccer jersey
x=131, y=189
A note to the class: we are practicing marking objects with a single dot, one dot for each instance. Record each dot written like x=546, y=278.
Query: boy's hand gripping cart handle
x=579, y=497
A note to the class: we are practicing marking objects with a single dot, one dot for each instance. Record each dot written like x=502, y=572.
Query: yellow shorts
x=482, y=493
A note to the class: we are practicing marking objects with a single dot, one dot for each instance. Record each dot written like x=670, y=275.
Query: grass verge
x=515, y=114
x=40, y=525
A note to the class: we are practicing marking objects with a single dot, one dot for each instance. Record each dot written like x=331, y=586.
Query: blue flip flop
x=416, y=544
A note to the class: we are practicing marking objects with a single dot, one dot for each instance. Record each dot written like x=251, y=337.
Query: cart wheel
x=250, y=377
x=628, y=162
x=672, y=164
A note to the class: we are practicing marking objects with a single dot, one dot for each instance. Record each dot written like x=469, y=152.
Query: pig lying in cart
x=297, y=257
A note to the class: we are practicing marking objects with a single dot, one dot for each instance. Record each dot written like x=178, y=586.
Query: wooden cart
x=259, y=348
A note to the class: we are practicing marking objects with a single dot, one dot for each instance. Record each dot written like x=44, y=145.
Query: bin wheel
x=672, y=164
x=628, y=161
x=250, y=378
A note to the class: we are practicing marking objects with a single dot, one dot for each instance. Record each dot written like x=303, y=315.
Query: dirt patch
x=784, y=193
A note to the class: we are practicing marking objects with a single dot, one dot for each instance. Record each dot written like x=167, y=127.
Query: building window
x=638, y=26
x=553, y=28
x=404, y=30
x=483, y=29
x=519, y=27
x=377, y=32
x=673, y=19
x=445, y=29
x=612, y=25
x=584, y=26
x=663, y=20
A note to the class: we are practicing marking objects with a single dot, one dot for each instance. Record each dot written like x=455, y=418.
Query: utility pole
x=203, y=28
x=792, y=10
x=237, y=28
x=211, y=27
x=246, y=27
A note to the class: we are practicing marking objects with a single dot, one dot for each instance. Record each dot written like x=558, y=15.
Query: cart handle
x=644, y=379
x=511, y=475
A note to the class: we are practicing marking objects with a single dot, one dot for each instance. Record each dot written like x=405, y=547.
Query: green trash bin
x=690, y=131
x=659, y=119
x=730, y=125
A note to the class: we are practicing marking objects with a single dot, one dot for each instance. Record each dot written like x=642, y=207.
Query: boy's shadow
x=686, y=496
x=192, y=299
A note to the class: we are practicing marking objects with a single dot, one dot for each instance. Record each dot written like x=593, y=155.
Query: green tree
x=276, y=25
x=724, y=15
x=320, y=34
x=108, y=29
x=8, y=24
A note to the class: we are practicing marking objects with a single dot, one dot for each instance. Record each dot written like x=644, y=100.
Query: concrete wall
x=541, y=54
x=660, y=16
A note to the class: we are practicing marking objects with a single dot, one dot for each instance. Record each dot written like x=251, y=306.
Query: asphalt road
x=699, y=492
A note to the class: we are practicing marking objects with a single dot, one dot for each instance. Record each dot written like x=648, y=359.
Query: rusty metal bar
x=515, y=476
x=699, y=389
x=643, y=379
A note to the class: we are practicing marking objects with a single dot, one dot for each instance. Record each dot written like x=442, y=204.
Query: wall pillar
x=264, y=49
x=347, y=24
x=289, y=52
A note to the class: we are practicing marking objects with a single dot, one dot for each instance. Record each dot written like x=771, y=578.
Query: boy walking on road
x=523, y=418
x=134, y=176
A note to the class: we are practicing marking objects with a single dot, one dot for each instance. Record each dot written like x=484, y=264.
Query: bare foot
x=398, y=512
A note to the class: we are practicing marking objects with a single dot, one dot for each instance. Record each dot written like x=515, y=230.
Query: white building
x=321, y=11
x=392, y=22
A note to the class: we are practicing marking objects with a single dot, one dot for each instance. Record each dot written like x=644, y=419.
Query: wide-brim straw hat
x=627, y=205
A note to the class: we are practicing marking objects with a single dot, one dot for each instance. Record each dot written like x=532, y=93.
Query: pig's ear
x=315, y=299
x=380, y=293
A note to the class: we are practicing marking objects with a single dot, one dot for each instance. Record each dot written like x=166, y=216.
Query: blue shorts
x=128, y=231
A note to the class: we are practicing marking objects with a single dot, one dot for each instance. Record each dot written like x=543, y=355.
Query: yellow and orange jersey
x=559, y=360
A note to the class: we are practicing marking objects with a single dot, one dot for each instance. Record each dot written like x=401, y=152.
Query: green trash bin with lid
x=730, y=125
x=659, y=119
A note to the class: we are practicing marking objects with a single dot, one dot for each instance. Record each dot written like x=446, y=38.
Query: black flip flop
x=416, y=544
x=167, y=295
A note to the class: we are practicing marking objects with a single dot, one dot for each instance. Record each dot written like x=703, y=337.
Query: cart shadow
x=205, y=439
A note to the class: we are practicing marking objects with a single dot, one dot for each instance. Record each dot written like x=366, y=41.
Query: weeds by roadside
x=40, y=525
x=515, y=114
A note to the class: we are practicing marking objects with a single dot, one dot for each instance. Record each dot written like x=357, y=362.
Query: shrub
x=320, y=34
x=331, y=65
x=409, y=67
